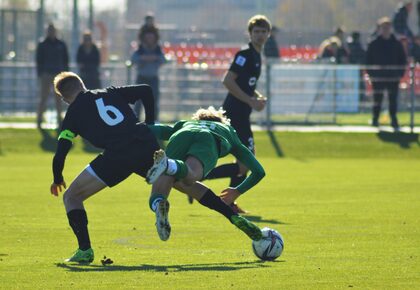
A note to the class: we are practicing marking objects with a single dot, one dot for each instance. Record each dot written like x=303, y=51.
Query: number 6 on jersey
x=104, y=112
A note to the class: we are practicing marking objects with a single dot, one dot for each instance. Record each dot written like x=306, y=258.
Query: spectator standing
x=148, y=25
x=51, y=59
x=400, y=20
x=387, y=54
x=271, y=49
x=329, y=49
x=148, y=58
x=415, y=49
x=357, y=55
x=342, y=51
x=88, y=60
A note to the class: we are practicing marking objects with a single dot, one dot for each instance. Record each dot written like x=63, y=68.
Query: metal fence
x=297, y=93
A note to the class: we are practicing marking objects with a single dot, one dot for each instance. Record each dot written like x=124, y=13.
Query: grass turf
x=347, y=206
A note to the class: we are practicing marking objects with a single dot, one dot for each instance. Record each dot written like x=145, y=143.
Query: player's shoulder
x=242, y=55
x=246, y=48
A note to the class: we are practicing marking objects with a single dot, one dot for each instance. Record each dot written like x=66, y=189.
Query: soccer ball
x=270, y=246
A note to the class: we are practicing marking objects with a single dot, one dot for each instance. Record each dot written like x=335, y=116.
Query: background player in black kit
x=105, y=119
x=241, y=81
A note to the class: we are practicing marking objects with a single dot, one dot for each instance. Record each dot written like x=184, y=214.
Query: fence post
x=2, y=35
x=413, y=94
x=334, y=93
x=90, y=19
x=40, y=21
x=268, y=92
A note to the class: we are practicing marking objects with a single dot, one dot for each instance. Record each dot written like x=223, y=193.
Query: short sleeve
x=239, y=62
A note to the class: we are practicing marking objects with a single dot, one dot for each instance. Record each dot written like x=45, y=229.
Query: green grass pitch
x=347, y=205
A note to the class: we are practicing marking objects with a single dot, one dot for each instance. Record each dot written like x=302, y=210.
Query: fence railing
x=297, y=93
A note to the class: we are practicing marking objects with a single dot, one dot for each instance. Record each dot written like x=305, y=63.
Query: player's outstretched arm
x=229, y=195
x=245, y=156
x=162, y=132
x=141, y=92
x=63, y=148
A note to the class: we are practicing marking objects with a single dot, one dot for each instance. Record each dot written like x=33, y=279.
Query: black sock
x=225, y=170
x=78, y=222
x=236, y=180
x=212, y=201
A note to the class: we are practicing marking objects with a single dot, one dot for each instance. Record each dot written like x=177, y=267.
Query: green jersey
x=226, y=140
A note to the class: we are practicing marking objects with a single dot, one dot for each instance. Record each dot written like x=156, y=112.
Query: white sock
x=172, y=167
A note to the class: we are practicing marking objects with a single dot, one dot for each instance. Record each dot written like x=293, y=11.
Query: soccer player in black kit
x=104, y=118
x=241, y=81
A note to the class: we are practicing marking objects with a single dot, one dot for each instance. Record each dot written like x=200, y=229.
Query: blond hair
x=66, y=83
x=259, y=21
x=211, y=114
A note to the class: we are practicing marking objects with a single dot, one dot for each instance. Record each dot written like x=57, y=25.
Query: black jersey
x=104, y=117
x=247, y=66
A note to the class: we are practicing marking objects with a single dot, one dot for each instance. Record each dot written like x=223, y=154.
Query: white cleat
x=162, y=223
x=159, y=166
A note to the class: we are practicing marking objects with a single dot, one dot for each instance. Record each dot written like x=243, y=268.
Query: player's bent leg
x=85, y=185
x=235, y=181
x=250, y=229
x=207, y=198
x=159, y=204
x=243, y=170
x=195, y=170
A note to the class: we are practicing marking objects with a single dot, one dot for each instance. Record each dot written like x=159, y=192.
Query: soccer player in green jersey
x=191, y=153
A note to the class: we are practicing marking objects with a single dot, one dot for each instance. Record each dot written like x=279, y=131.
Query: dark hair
x=145, y=30
x=355, y=35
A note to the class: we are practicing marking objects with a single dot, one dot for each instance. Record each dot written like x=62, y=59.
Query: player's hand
x=258, y=104
x=57, y=188
x=229, y=195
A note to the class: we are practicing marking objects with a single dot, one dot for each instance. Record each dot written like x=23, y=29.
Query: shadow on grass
x=275, y=143
x=167, y=268
x=259, y=219
x=49, y=140
x=404, y=140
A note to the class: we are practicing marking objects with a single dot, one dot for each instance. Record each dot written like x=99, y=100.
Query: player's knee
x=190, y=179
x=72, y=197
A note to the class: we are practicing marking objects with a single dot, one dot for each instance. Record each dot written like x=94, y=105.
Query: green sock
x=154, y=199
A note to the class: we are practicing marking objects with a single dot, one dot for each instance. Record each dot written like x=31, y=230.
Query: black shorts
x=114, y=165
x=242, y=125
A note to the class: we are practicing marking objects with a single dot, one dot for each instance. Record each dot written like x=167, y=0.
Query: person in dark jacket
x=51, y=58
x=271, y=48
x=400, y=20
x=386, y=59
x=357, y=55
x=415, y=49
x=88, y=60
